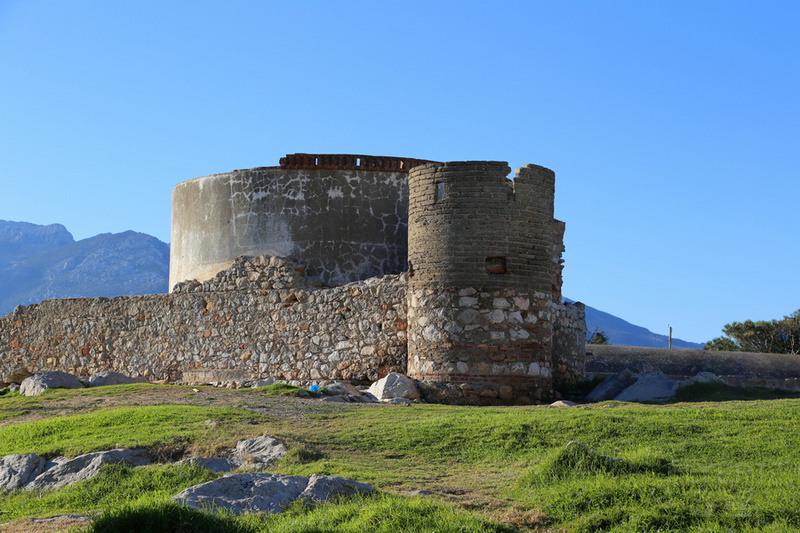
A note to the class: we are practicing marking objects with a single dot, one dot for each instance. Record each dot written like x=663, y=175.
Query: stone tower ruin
x=484, y=288
x=340, y=267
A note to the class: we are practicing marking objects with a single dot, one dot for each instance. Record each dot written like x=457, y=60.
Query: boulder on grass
x=61, y=471
x=394, y=385
x=266, y=493
x=16, y=470
x=48, y=379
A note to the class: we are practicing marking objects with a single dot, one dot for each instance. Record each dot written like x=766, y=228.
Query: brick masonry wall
x=204, y=332
x=464, y=214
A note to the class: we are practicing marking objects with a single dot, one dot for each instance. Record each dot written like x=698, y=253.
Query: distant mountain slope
x=622, y=333
x=41, y=262
x=19, y=240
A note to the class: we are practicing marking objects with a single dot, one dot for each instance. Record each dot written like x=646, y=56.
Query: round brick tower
x=480, y=253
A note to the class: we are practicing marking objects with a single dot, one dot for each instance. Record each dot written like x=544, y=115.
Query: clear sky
x=673, y=126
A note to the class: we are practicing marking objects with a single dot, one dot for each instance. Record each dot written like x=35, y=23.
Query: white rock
x=702, y=377
x=264, y=383
x=394, y=385
x=562, y=403
x=215, y=464
x=48, y=379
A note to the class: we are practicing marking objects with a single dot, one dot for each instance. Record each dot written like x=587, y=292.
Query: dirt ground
x=281, y=407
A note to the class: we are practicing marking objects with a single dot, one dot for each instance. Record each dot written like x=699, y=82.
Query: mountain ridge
x=42, y=262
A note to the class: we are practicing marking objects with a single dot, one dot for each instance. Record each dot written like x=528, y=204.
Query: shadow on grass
x=720, y=392
x=165, y=517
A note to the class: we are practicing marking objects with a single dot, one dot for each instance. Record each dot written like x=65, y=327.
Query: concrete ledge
x=780, y=371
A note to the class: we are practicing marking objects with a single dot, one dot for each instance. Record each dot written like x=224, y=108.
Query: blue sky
x=673, y=127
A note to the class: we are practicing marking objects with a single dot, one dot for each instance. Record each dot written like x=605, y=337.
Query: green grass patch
x=121, y=427
x=705, y=466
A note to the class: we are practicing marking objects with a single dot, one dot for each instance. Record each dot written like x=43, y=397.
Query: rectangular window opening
x=439, y=191
x=358, y=161
x=496, y=265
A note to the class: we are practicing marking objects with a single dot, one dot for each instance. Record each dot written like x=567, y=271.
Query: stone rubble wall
x=569, y=343
x=262, y=318
x=274, y=327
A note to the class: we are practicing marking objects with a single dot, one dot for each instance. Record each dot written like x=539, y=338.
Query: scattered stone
x=48, y=379
x=642, y=382
x=259, y=451
x=702, y=377
x=336, y=399
x=563, y=403
x=107, y=377
x=322, y=488
x=419, y=492
x=263, y=383
x=13, y=387
x=398, y=401
x=341, y=388
x=263, y=492
x=395, y=385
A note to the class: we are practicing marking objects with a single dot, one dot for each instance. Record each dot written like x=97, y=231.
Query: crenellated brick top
x=350, y=162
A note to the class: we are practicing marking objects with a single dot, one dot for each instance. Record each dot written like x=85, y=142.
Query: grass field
x=688, y=466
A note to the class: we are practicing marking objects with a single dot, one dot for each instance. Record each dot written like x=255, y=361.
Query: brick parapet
x=350, y=162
